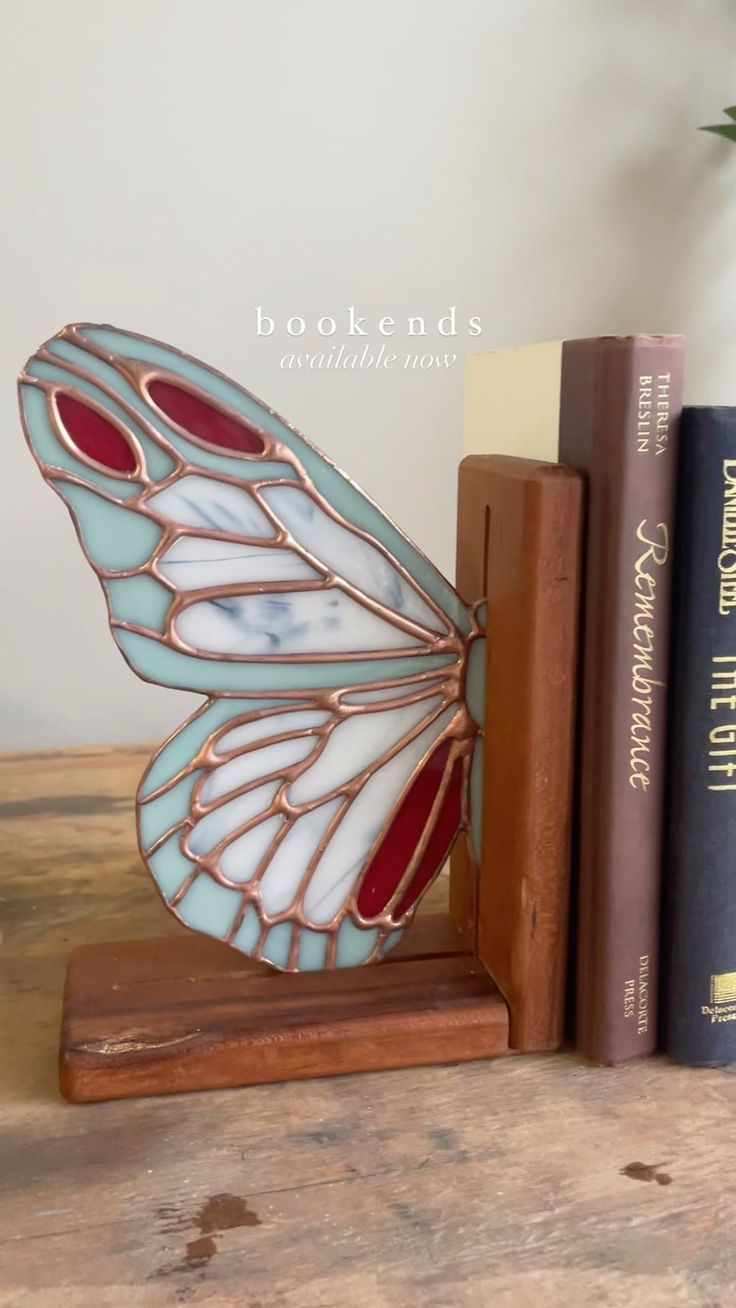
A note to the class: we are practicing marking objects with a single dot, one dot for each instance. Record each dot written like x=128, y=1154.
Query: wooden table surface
x=529, y=1181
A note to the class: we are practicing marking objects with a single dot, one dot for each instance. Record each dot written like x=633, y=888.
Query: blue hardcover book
x=700, y=875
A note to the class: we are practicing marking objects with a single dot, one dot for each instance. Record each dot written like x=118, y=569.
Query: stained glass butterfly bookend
x=362, y=719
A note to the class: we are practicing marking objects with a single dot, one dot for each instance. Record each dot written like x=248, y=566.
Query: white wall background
x=167, y=165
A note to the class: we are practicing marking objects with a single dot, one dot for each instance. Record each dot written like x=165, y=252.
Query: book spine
x=620, y=405
x=699, y=1000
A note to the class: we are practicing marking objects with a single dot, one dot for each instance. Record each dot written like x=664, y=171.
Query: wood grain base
x=154, y=1017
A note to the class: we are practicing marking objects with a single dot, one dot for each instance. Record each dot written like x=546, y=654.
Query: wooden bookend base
x=160, y=1016
x=150, y=1017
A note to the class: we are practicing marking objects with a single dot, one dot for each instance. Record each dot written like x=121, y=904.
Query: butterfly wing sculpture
x=303, y=811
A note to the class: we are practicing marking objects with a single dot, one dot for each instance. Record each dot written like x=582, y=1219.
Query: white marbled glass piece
x=215, y=827
x=289, y=622
x=284, y=873
x=354, y=745
x=244, y=856
x=244, y=768
x=273, y=724
x=197, y=562
x=348, y=554
x=213, y=505
x=344, y=858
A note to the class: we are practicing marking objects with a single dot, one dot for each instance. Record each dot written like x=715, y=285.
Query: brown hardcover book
x=620, y=404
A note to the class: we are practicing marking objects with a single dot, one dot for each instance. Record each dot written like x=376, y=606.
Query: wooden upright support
x=519, y=544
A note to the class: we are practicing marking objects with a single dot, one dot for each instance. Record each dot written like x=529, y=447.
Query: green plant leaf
x=731, y=112
x=722, y=129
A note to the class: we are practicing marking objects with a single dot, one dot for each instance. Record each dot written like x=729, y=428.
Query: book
x=620, y=405
x=699, y=974
x=512, y=401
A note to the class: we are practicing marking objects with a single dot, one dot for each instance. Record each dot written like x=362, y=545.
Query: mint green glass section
x=209, y=907
x=476, y=799
x=392, y=941
x=116, y=539
x=169, y=867
x=239, y=467
x=50, y=450
x=160, y=815
x=333, y=484
x=167, y=667
x=278, y=944
x=481, y=614
x=159, y=463
x=178, y=752
x=354, y=945
x=312, y=950
x=141, y=600
x=475, y=686
x=248, y=932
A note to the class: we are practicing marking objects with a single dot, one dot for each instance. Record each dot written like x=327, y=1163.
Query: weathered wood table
x=523, y=1182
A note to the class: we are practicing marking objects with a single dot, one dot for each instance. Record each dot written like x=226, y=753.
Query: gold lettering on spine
x=662, y=412
x=644, y=684
x=727, y=556
x=644, y=416
x=642, y=1008
x=653, y=414
x=722, y=737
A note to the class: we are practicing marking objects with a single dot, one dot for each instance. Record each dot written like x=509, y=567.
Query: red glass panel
x=439, y=845
x=94, y=435
x=203, y=420
x=394, y=853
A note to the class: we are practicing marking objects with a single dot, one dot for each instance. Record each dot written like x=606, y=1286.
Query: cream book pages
x=512, y=401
